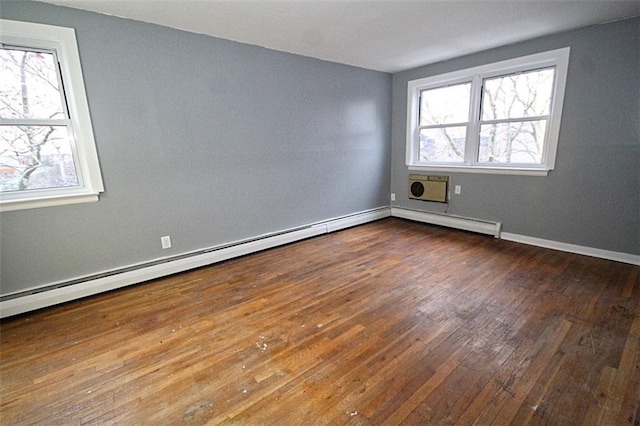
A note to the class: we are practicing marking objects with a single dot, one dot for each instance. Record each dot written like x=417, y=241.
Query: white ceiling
x=388, y=35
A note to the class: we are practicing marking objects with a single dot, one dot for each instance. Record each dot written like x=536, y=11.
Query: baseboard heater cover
x=53, y=294
x=495, y=229
x=457, y=222
x=616, y=256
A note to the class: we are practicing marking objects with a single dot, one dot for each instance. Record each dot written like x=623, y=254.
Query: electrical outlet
x=393, y=196
x=166, y=242
x=457, y=189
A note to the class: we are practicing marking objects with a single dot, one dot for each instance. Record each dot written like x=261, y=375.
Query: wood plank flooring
x=389, y=323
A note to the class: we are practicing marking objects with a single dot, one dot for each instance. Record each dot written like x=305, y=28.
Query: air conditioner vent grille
x=428, y=188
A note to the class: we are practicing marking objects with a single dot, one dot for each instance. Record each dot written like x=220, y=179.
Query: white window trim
x=558, y=58
x=63, y=41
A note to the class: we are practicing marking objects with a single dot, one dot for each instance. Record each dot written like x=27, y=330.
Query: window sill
x=35, y=203
x=523, y=171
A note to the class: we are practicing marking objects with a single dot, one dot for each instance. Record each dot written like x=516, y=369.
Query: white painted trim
x=36, y=203
x=573, y=248
x=558, y=58
x=483, y=170
x=139, y=273
x=457, y=222
x=492, y=228
x=357, y=219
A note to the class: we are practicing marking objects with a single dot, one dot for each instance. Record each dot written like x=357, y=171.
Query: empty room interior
x=320, y=212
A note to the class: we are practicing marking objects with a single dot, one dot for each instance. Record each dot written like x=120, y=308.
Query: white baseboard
x=59, y=292
x=457, y=222
x=573, y=248
x=56, y=293
x=493, y=228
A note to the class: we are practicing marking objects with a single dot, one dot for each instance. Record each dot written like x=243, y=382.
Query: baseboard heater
x=53, y=294
x=457, y=222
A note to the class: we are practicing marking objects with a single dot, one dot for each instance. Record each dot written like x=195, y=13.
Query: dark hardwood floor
x=391, y=322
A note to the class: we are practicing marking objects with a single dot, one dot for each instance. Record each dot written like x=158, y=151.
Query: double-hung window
x=47, y=150
x=497, y=118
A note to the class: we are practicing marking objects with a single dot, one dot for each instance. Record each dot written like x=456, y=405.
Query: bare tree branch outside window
x=444, y=113
x=35, y=147
x=515, y=112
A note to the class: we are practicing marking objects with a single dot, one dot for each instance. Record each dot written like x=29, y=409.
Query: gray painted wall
x=203, y=139
x=212, y=141
x=592, y=198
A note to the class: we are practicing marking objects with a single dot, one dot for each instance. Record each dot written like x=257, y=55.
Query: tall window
x=47, y=150
x=498, y=118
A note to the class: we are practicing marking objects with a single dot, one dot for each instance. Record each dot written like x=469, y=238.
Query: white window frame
x=63, y=41
x=559, y=59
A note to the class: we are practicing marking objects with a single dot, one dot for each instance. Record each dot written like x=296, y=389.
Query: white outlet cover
x=166, y=242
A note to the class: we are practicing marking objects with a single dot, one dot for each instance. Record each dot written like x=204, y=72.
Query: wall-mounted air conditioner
x=428, y=188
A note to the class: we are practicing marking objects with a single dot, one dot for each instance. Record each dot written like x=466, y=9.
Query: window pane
x=29, y=85
x=445, y=105
x=515, y=142
x=520, y=95
x=36, y=157
x=443, y=144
